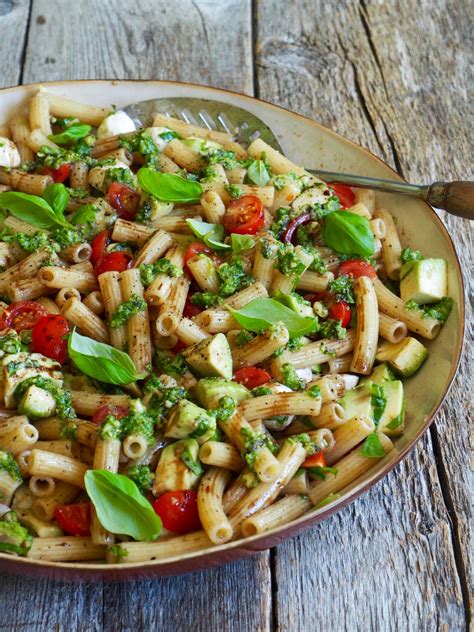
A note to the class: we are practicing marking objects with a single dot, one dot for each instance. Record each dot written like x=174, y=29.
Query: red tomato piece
x=22, y=315
x=178, y=511
x=315, y=460
x=317, y=296
x=99, y=244
x=252, y=376
x=114, y=262
x=244, y=215
x=60, y=174
x=344, y=193
x=356, y=268
x=179, y=346
x=104, y=411
x=124, y=200
x=341, y=311
x=74, y=519
x=190, y=309
x=49, y=337
x=196, y=248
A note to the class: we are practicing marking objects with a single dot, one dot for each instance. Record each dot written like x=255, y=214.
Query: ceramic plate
x=313, y=145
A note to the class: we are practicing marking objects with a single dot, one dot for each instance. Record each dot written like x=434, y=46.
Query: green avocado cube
x=424, y=281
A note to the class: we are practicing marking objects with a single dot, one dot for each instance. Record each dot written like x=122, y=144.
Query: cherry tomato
x=190, y=309
x=356, y=268
x=22, y=315
x=252, y=376
x=341, y=311
x=99, y=244
x=74, y=519
x=114, y=262
x=196, y=248
x=179, y=346
x=60, y=174
x=124, y=200
x=244, y=215
x=49, y=337
x=315, y=460
x=104, y=411
x=317, y=296
x=178, y=511
x=344, y=193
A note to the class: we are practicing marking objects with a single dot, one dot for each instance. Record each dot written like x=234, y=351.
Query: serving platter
x=306, y=142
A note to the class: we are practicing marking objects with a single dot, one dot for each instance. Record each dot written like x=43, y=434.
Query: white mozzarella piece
x=116, y=123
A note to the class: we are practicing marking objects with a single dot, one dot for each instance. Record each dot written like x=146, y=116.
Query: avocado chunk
x=178, y=468
x=14, y=538
x=358, y=401
x=37, y=403
x=405, y=357
x=424, y=281
x=392, y=421
x=296, y=303
x=381, y=373
x=210, y=390
x=188, y=420
x=210, y=357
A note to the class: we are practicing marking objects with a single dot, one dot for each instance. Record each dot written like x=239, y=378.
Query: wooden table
x=391, y=76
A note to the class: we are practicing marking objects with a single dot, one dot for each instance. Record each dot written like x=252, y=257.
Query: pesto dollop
x=127, y=310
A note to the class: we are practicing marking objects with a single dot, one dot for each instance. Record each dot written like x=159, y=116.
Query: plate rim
x=239, y=549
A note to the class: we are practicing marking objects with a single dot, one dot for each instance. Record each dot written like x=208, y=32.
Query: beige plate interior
x=314, y=146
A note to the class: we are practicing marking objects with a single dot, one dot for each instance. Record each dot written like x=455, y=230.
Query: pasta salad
x=199, y=341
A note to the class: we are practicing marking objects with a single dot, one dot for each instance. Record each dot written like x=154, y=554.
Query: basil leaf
x=211, y=234
x=101, y=361
x=31, y=209
x=120, y=507
x=241, y=242
x=258, y=173
x=168, y=187
x=348, y=233
x=261, y=313
x=372, y=447
x=85, y=215
x=57, y=196
x=74, y=132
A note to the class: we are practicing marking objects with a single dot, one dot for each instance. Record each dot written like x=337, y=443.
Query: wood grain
x=359, y=68
x=13, y=27
x=117, y=39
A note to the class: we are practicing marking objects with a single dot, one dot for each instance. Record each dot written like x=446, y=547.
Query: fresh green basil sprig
x=372, y=447
x=258, y=173
x=101, y=361
x=169, y=187
x=348, y=234
x=45, y=212
x=120, y=506
x=211, y=234
x=261, y=313
x=74, y=132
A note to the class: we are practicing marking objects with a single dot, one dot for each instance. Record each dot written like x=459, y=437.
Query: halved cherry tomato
x=99, y=244
x=22, y=315
x=244, y=215
x=114, y=262
x=74, y=519
x=104, y=411
x=252, y=376
x=60, y=174
x=49, y=337
x=344, y=193
x=356, y=268
x=341, y=311
x=315, y=460
x=178, y=511
x=196, y=248
x=124, y=200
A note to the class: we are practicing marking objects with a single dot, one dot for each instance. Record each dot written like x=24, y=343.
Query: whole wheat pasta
x=265, y=259
x=25, y=182
x=332, y=415
x=49, y=305
x=63, y=494
x=222, y=455
x=65, y=294
x=213, y=207
x=138, y=326
x=86, y=403
x=391, y=247
x=158, y=291
x=366, y=197
x=63, y=468
x=111, y=293
x=209, y=502
x=348, y=436
x=27, y=290
x=260, y=347
x=77, y=253
x=143, y=551
x=153, y=249
x=94, y=302
x=39, y=114
x=379, y=230
x=80, y=316
x=204, y=273
x=131, y=231
x=106, y=457
x=78, y=177
x=391, y=329
x=341, y=364
x=279, y=513
x=63, y=446
x=66, y=549
x=183, y=155
x=314, y=282
x=20, y=131
x=21, y=438
x=64, y=108
x=59, y=278
x=367, y=330
x=189, y=332
x=42, y=486
x=298, y=484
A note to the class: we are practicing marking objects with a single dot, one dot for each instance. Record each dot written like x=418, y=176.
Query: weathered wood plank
x=13, y=25
x=184, y=41
x=360, y=69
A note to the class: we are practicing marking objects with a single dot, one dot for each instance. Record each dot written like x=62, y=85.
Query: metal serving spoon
x=455, y=197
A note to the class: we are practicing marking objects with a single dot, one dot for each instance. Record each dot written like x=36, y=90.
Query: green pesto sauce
x=110, y=429
x=331, y=329
x=190, y=462
x=127, y=310
x=225, y=408
x=11, y=344
x=167, y=364
x=342, y=288
x=117, y=551
x=142, y=476
x=234, y=190
x=10, y=466
x=289, y=263
x=62, y=397
x=253, y=442
x=149, y=271
x=13, y=537
x=290, y=377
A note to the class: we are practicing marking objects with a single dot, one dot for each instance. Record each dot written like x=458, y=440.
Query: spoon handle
x=455, y=197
